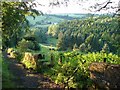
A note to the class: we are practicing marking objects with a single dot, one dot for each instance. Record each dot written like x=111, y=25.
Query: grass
x=52, y=41
x=44, y=18
x=45, y=50
x=6, y=75
x=0, y=69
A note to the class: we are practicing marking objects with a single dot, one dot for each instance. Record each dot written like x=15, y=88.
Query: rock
x=12, y=53
x=30, y=61
x=105, y=75
x=10, y=50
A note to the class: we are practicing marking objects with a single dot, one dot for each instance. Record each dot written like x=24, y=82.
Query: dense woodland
x=88, y=35
x=62, y=51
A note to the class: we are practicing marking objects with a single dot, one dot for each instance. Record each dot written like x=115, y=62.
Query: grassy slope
x=52, y=18
x=45, y=50
x=6, y=76
x=44, y=18
x=52, y=41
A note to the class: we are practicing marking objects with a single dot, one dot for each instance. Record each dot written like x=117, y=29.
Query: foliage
x=25, y=45
x=73, y=72
x=105, y=48
x=14, y=53
x=6, y=76
x=61, y=45
x=90, y=34
x=52, y=30
x=1, y=69
x=75, y=47
x=14, y=22
x=29, y=37
x=39, y=35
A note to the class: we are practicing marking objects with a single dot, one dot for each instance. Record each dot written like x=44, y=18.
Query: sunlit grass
x=52, y=41
x=46, y=51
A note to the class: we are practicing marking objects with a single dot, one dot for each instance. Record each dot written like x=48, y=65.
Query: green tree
x=53, y=30
x=89, y=39
x=82, y=47
x=40, y=35
x=61, y=42
x=75, y=47
x=105, y=48
x=14, y=22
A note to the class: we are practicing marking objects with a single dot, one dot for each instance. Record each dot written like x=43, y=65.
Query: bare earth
x=23, y=78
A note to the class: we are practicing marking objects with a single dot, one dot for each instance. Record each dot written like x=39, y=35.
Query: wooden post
x=60, y=60
x=51, y=59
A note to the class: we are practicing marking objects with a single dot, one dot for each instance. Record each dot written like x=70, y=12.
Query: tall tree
x=105, y=48
x=14, y=22
x=61, y=45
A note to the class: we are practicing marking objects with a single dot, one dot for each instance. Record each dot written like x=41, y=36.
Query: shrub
x=25, y=45
x=74, y=73
x=14, y=53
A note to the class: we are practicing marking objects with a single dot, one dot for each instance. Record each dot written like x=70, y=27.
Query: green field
x=45, y=19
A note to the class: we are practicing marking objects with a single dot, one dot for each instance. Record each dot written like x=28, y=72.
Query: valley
x=58, y=51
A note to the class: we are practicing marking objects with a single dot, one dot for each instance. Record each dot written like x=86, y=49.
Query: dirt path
x=25, y=79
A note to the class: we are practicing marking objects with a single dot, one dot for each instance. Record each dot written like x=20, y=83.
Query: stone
x=30, y=61
x=11, y=53
x=105, y=75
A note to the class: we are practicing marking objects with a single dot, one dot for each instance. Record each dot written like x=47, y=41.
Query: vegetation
x=90, y=34
x=0, y=69
x=68, y=47
x=6, y=76
x=14, y=22
x=73, y=69
x=26, y=45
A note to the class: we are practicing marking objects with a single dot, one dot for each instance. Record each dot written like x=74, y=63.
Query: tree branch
x=104, y=6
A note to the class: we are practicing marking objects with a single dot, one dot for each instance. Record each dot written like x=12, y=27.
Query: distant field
x=44, y=19
x=54, y=18
x=52, y=41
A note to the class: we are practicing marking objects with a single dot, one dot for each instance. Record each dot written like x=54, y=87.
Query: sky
x=73, y=6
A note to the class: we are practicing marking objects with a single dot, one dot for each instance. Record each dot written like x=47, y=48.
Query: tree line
x=100, y=33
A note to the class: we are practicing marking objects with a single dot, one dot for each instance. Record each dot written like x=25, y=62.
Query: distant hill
x=48, y=19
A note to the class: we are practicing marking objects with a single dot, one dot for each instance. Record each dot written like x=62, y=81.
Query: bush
x=36, y=46
x=30, y=38
x=14, y=53
x=74, y=73
x=25, y=45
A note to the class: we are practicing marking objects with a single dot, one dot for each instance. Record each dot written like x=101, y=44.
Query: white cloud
x=73, y=6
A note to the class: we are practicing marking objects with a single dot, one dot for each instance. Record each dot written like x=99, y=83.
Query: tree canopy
x=14, y=22
x=90, y=34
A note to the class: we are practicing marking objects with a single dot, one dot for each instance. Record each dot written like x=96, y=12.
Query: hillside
x=59, y=51
x=90, y=34
x=47, y=19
